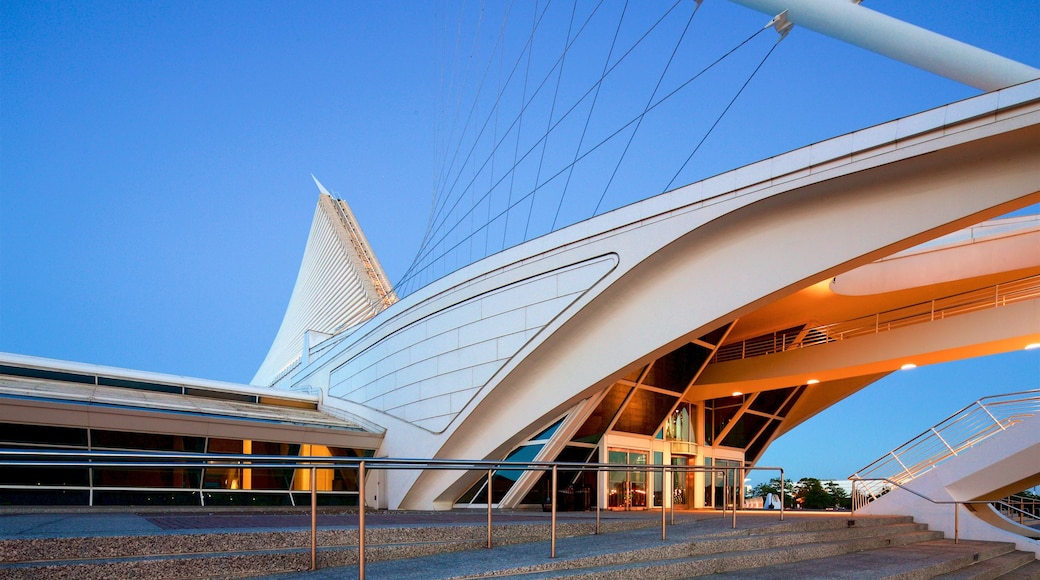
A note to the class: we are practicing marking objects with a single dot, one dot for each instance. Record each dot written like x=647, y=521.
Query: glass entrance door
x=682, y=485
x=626, y=489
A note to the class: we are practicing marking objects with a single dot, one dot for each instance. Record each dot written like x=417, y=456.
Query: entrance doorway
x=682, y=484
x=626, y=489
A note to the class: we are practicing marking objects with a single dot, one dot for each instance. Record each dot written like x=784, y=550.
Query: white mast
x=847, y=21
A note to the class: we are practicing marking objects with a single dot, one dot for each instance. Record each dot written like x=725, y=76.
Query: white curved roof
x=340, y=284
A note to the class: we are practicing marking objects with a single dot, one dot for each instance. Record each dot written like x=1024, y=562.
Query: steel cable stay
x=525, y=105
x=594, y=88
x=649, y=101
x=548, y=123
x=498, y=98
x=724, y=111
x=413, y=272
x=588, y=118
x=564, y=116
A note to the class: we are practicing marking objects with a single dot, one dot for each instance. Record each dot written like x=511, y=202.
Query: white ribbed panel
x=340, y=284
x=429, y=371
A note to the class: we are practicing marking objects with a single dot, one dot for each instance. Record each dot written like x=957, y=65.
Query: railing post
x=599, y=480
x=314, y=518
x=361, y=521
x=552, y=524
x=490, y=472
x=783, y=500
x=664, y=488
x=983, y=407
x=956, y=524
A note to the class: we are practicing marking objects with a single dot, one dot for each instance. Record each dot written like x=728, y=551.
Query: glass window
x=745, y=429
x=645, y=412
x=42, y=435
x=596, y=425
x=769, y=401
x=675, y=370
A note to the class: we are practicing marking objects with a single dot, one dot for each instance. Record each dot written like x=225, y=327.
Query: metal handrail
x=948, y=438
x=954, y=503
x=95, y=459
x=937, y=309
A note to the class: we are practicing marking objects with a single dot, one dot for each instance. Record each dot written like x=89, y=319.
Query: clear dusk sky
x=155, y=162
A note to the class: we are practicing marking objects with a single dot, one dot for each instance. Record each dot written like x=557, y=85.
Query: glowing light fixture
x=737, y=393
x=1033, y=345
x=812, y=382
x=908, y=366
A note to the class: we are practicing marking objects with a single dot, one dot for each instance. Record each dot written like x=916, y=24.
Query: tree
x=839, y=497
x=810, y=494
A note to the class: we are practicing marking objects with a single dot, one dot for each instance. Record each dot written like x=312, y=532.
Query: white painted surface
x=1002, y=459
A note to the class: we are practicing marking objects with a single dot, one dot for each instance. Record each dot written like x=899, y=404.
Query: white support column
x=850, y=22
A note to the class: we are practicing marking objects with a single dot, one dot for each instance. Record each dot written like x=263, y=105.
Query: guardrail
x=34, y=458
x=956, y=504
x=937, y=309
x=948, y=438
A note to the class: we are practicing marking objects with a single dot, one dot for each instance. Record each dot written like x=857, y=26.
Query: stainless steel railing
x=982, y=299
x=891, y=484
x=948, y=438
x=38, y=458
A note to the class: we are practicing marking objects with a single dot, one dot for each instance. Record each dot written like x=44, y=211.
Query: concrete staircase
x=834, y=547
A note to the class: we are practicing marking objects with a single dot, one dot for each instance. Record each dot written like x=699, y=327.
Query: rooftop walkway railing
x=937, y=309
x=733, y=477
x=948, y=438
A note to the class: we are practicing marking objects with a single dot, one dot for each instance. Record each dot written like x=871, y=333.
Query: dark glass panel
x=790, y=403
x=756, y=447
x=37, y=497
x=44, y=476
x=644, y=412
x=254, y=498
x=769, y=401
x=232, y=446
x=42, y=435
x=576, y=488
x=715, y=336
x=127, y=384
x=330, y=499
x=146, y=441
x=220, y=395
x=272, y=478
x=718, y=413
x=745, y=430
x=153, y=477
x=601, y=417
x=675, y=370
x=145, y=497
x=49, y=375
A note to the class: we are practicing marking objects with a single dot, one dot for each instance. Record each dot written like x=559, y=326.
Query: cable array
x=564, y=108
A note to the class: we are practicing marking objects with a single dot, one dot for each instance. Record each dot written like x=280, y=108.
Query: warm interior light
x=908, y=366
x=812, y=382
x=737, y=393
x=1032, y=345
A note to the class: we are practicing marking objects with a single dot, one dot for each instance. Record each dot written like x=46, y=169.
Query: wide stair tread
x=936, y=558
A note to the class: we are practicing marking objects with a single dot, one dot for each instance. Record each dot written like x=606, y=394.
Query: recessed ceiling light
x=812, y=382
x=908, y=366
x=737, y=393
x=1032, y=345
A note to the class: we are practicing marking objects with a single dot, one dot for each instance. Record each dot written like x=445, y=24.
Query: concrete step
x=1030, y=571
x=251, y=553
x=741, y=563
x=992, y=568
x=928, y=559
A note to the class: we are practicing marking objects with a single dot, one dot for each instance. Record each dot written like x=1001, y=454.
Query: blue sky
x=155, y=161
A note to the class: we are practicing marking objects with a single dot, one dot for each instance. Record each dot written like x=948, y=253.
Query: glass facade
x=168, y=485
